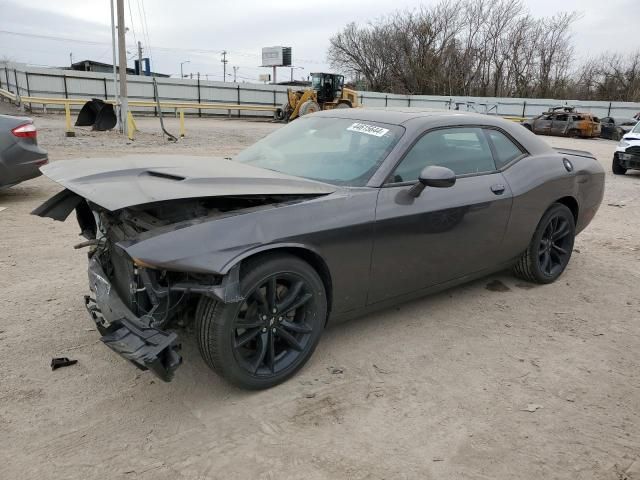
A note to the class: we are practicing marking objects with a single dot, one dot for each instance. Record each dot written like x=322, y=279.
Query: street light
x=182, y=63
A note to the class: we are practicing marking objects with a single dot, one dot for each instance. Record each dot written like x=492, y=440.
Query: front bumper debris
x=126, y=334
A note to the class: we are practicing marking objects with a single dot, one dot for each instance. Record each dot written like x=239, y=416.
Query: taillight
x=28, y=130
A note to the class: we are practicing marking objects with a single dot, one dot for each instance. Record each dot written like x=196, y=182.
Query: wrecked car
x=337, y=214
x=564, y=122
x=627, y=154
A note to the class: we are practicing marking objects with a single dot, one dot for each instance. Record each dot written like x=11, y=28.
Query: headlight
x=624, y=143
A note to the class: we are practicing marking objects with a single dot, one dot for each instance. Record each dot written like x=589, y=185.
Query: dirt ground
x=479, y=382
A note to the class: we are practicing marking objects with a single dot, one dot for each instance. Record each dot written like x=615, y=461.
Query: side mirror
x=433, y=176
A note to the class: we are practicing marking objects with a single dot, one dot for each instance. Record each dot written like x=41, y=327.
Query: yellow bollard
x=131, y=125
x=182, y=132
x=67, y=113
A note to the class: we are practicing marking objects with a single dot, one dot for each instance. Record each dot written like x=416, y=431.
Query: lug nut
x=274, y=310
x=264, y=330
x=274, y=330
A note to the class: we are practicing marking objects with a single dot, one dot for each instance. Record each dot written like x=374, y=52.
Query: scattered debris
x=438, y=459
x=497, y=286
x=2, y=208
x=309, y=395
x=336, y=370
x=61, y=362
x=532, y=407
x=577, y=250
x=598, y=334
x=616, y=204
x=525, y=286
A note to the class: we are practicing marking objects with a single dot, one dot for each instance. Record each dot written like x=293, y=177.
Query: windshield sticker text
x=368, y=129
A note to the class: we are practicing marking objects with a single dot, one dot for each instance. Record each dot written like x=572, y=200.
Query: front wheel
x=264, y=339
x=550, y=248
x=616, y=167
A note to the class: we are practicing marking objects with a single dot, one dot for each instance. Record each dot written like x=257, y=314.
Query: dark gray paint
x=378, y=244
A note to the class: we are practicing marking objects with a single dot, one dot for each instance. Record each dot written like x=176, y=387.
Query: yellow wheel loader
x=327, y=91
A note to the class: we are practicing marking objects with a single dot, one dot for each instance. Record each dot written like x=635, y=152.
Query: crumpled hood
x=115, y=183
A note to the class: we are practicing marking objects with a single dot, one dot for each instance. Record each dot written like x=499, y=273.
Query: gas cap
x=567, y=164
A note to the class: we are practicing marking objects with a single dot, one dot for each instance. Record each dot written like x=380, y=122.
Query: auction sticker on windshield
x=368, y=129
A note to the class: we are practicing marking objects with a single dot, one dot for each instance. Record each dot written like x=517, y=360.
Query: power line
x=133, y=28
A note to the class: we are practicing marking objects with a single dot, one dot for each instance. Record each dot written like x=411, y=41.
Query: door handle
x=498, y=189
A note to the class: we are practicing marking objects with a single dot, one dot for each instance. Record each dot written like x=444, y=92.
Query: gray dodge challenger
x=337, y=214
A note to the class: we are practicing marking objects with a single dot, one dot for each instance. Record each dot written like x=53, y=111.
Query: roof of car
x=394, y=115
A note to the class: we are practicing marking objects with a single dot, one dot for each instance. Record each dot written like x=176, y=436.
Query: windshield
x=334, y=150
x=636, y=129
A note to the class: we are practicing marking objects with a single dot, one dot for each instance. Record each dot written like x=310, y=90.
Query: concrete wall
x=51, y=82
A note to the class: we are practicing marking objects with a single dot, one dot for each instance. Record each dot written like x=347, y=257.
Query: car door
x=560, y=124
x=542, y=124
x=445, y=233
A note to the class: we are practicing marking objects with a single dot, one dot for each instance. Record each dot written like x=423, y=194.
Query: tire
x=271, y=348
x=548, y=253
x=343, y=105
x=574, y=133
x=308, y=107
x=616, y=168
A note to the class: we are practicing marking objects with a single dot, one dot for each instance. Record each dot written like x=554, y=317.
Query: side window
x=506, y=150
x=463, y=150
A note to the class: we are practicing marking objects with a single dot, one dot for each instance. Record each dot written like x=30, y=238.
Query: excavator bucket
x=97, y=114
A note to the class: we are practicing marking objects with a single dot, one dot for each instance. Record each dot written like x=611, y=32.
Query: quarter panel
x=338, y=227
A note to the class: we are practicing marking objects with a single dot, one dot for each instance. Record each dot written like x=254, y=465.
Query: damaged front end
x=132, y=302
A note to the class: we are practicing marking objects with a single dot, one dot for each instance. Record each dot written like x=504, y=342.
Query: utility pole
x=122, y=66
x=70, y=58
x=140, y=58
x=224, y=65
x=235, y=69
x=115, y=75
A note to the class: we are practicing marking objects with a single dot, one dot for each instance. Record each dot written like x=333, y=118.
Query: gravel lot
x=437, y=388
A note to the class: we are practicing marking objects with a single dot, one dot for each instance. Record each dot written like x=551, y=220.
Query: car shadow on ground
x=196, y=378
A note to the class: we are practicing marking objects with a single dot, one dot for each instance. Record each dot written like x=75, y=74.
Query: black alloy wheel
x=550, y=248
x=554, y=249
x=265, y=338
x=270, y=329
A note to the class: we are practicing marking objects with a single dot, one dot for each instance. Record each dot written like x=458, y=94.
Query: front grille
x=635, y=150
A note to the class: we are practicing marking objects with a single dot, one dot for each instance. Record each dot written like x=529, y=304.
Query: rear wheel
x=616, y=167
x=343, y=105
x=263, y=340
x=550, y=249
x=308, y=107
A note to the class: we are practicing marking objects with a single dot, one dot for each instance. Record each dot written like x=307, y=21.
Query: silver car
x=20, y=155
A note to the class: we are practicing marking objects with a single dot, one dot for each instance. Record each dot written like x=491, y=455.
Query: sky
x=47, y=32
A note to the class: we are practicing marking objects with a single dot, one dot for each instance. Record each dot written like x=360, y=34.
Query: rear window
x=506, y=151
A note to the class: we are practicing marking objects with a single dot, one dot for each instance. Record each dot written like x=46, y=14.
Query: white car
x=627, y=154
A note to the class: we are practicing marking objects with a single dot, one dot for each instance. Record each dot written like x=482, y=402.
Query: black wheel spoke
x=290, y=339
x=271, y=353
x=296, y=327
x=290, y=297
x=559, y=249
x=562, y=232
x=272, y=289
x=262, y=352
x=246, y=337
x=546, y=262
x=298, y=303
